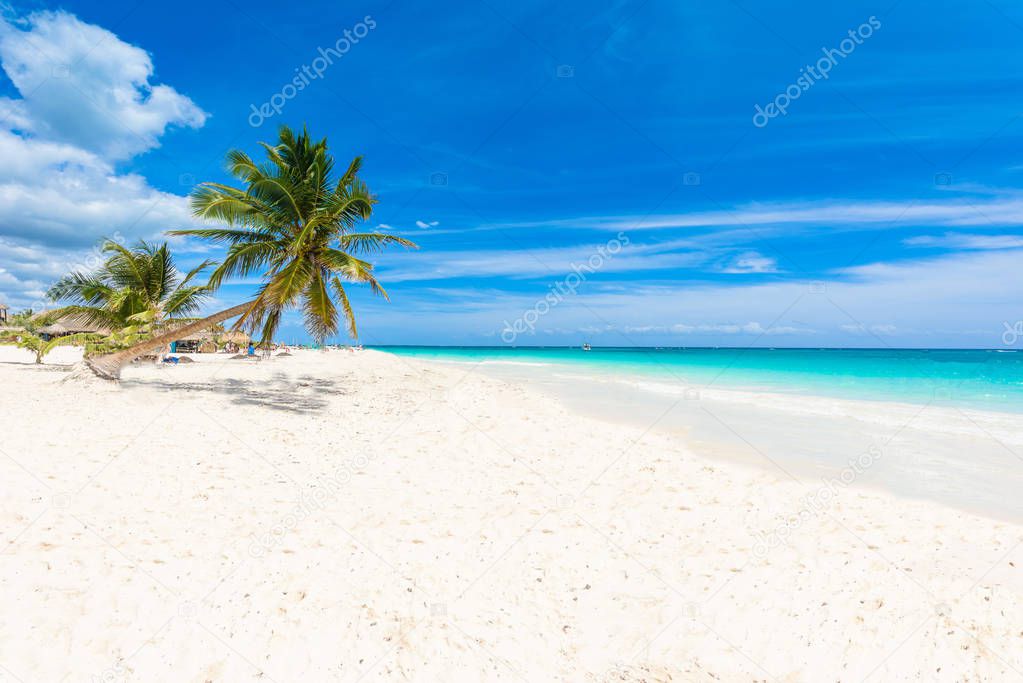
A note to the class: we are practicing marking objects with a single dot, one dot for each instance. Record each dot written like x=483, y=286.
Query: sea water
x=947, y=423
x=981, y=379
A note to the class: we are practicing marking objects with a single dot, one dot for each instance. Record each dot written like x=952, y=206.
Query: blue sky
x=516, y=140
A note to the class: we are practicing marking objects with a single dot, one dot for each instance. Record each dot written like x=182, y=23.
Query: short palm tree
x=29, y=335
x=294, y=222
x=136, y=287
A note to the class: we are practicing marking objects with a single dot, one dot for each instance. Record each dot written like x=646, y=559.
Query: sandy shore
x=364, y=517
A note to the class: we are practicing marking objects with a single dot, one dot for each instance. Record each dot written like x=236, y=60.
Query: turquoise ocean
x=979, y=379
x=920, y=411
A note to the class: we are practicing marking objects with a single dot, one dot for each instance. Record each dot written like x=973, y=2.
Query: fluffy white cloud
x=82, y=85
x=86, y=102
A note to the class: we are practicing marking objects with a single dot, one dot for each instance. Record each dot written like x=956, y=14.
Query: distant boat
x=586, y=347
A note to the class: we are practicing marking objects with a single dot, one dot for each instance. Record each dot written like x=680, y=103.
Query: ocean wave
x=450, y=361
x=534, y=364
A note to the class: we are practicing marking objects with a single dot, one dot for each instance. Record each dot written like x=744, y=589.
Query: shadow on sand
x=300, y=395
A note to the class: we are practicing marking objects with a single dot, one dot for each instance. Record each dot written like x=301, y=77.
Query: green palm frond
x=80, y=288
x=133, y=284
x=372, y=242
x=293, y=220
x=320, y=311
x=346, y=307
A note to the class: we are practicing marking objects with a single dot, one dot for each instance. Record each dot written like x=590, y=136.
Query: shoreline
x=670, y=382
x=350, y=516
x=794, y=434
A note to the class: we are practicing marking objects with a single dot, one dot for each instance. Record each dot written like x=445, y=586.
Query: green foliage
x=294, y=222
x=135, y=292
x=28, y=336
x=22, y=319
x=118, y=340
x=133, y=287
x=35, y=343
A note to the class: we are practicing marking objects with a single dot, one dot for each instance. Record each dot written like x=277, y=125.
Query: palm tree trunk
x=109, y=366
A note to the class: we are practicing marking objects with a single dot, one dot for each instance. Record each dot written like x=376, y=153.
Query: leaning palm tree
x=294, y=222
x=138, y=287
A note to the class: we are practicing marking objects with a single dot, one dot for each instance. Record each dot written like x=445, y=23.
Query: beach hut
x=234, y=340
x=199, y=342
x=71, y=324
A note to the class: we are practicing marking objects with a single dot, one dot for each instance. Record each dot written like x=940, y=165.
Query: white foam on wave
x=532, y=364
x=449, y=361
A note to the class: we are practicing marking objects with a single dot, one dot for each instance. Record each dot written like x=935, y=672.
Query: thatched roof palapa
x=236, y=337
x=200, y=336
x=71, y=324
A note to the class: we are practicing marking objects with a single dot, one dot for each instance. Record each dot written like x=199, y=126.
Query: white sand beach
x=359, y=516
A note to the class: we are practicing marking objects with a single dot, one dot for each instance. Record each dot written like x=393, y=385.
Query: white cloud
x=752, y=327
x=86, y=102
x=895, y=303
x=751, y=262
x=548, y=262
x=959, y=240
x=424, y=224
x=998, y=209
x=860, y=328
x=82, y=85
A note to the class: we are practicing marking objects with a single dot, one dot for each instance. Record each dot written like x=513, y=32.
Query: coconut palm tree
x=294, y=223
x=138, y=287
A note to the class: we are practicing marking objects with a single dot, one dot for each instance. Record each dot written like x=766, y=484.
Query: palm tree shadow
x=298, y=395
